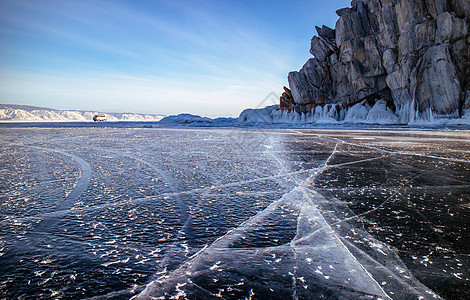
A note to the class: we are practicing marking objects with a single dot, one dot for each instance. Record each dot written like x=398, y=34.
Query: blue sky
x=211, y=57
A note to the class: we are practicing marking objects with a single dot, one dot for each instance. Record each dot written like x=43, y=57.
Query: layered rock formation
x=413, y=55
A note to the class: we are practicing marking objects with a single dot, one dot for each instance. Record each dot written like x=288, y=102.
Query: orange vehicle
x=99, y=118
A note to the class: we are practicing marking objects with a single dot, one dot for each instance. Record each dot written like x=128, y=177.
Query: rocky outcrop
x=413, y=55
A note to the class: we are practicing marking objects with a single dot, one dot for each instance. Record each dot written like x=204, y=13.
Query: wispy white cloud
x=172, y=55
x=117, y=92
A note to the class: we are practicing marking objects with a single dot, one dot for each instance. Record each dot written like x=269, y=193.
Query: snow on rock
x=357, y=113
x=17, y=114
x=259, y=115
x=194, y=120
x=381, y=114
x=464, y=120
x=223, y=120
x=360, y=113
x=184, y=119
x=133, y=117
x=327, y=114
x=74, y=115
x=284, y=116
x=48, y=115
x=24, y=113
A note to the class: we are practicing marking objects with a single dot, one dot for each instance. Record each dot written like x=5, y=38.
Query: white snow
x=253, y=116
x=18, y=113
x=184, y=119
x=381, y=114
x=360, y=113
x=188, y=119
x=357, y=113
x=464, y=120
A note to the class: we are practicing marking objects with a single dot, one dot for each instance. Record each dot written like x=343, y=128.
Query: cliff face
x=414, y=55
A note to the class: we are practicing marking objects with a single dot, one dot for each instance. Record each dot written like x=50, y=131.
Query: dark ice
x=234, y=213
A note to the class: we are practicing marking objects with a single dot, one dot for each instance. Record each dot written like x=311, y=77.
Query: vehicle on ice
x=99, y=118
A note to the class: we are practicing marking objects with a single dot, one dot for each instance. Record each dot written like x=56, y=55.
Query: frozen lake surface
x=234, y=213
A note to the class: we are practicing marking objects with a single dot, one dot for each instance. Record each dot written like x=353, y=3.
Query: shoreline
x=230, y=125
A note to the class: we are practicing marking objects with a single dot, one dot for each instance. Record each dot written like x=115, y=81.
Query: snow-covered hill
x=24, y=113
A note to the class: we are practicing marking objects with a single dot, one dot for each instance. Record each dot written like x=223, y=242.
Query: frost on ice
x=233, y=213
x=330, y=254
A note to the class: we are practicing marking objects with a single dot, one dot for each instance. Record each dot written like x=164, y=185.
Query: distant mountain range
x=25, y=113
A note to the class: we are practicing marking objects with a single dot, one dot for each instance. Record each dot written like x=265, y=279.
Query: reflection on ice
x=318, y=261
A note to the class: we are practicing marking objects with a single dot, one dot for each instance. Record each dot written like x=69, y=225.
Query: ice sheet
x=330, y=255
x=235, y=213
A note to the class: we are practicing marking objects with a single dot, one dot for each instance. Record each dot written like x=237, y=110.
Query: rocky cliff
x=412, y=55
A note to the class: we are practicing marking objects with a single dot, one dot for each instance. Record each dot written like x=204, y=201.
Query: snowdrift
x=194, y=120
